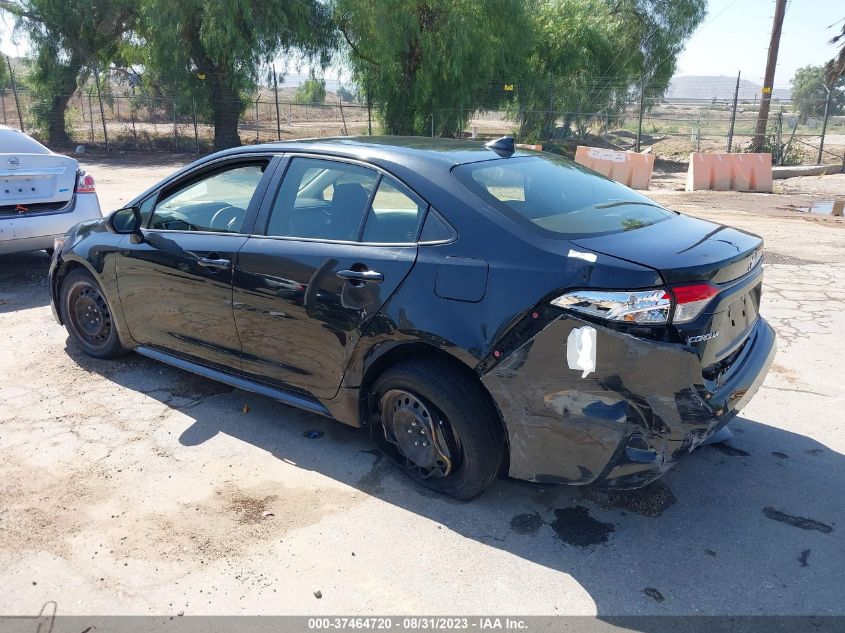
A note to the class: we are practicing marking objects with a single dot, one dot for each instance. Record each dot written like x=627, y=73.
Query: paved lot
x=128, y=486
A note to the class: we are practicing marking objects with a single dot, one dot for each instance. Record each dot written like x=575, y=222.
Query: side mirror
x=126, y=221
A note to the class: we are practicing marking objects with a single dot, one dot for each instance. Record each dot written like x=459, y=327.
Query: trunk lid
x=30, y=183
x=685, y=249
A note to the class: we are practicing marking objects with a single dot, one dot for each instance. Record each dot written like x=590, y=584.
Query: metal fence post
x=91, y=115
x=779, y=139
x=369, y=115
x=256, y=121
x=132, y=119
x=733, y=115
x=276, y=92
x=196, y=131
x=640, y=117
x=15, y=90
x=3, y=105
x=824, y=124
x=102, y=112
x=175, y=127
x=432, y=125
x=342, y=116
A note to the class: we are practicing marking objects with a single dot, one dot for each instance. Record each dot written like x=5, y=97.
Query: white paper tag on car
x=581, y=350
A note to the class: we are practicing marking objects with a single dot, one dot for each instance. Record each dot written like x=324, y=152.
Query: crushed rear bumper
x=624, y=425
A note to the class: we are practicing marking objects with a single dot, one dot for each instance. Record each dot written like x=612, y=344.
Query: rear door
x=338, y=239
x=176, y=285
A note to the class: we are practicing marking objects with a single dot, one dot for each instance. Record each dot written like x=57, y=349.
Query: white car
x=42, y=194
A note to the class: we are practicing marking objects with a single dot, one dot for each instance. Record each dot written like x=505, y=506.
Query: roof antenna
x=503, y=146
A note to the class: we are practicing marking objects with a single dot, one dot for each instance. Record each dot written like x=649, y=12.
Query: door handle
x=218, y=264
x=358, y=277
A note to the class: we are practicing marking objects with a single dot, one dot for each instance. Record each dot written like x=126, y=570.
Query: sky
x=733, y=37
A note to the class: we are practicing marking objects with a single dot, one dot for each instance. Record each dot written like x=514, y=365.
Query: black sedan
x=483, y=309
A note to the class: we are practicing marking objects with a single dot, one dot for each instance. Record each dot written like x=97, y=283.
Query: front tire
x=439, y=426
x=87, y=316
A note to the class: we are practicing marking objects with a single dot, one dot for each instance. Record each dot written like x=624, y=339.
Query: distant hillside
x=717, y=87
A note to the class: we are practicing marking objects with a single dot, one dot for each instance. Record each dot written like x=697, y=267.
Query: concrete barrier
x=730, y=172
x=629, y=168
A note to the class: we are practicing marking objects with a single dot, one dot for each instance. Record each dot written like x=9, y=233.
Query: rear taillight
x=690, y=300
x=649, y=307
x=634, y=306
x=85, y=183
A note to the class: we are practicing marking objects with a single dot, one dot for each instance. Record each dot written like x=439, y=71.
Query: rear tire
x=87, y=316
x=440, y=426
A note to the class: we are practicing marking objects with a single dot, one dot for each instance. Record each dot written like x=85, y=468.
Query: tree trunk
x=56, y=130
x=57, y=84
x=226, y=109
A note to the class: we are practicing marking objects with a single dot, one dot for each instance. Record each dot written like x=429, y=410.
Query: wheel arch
x=108, y=286
x=415, y=349
x=62, y=272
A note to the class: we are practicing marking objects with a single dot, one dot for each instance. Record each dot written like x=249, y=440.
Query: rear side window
x=393, y=217
x=322, y=199
x=557, y=198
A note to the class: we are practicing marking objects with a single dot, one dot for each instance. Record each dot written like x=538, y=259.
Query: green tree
x=590, y=56
x=211, y=51
x=809, y=92
x=313, y=90
x=415, y=58
x=69, y=38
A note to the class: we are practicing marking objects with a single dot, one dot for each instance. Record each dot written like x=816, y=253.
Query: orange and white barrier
x=629, y=168
x=730, y=172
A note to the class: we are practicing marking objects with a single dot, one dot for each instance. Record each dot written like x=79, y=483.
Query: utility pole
x=771, y=63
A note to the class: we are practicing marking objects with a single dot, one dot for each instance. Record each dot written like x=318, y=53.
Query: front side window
x=557, y=198
x=217, y=202
x=321, y=199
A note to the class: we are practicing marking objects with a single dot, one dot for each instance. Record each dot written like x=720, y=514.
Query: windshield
x=558, y=198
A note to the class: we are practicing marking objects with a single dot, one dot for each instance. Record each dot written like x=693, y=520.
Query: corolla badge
x=702, y=337
x=14, y=162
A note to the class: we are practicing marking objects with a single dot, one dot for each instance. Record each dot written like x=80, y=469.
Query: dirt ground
x=131, y=487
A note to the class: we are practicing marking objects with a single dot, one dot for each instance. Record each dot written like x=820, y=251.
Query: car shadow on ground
x=744, y=528
x=23, y=281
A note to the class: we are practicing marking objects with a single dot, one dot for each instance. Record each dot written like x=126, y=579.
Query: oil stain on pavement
x=799, y=522
x=575, y=526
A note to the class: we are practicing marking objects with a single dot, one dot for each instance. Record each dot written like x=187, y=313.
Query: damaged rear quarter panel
x=567, y=429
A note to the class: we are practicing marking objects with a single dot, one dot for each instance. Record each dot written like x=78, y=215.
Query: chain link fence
x=669, y=128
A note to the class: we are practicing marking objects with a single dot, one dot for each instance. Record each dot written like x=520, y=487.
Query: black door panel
x=176, y=285
x=174, y=299
x=300, y=306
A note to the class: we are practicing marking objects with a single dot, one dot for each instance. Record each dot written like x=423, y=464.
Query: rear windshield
x=558, y=198
x=14, y=142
